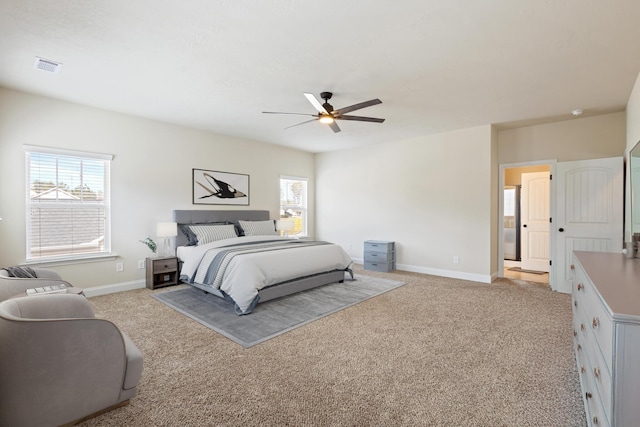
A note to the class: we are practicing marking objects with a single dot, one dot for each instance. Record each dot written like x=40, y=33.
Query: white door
x=589, y=212
x=534, y=215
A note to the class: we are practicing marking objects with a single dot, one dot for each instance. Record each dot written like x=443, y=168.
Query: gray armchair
x=12, y=286
x=59, y=364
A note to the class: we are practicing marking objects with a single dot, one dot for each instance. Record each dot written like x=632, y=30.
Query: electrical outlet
x=141, y=264
x=119, y=266
x=456, y=259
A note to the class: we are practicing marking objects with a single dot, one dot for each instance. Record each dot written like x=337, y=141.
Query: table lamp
x=286, y=225
x=167, y=230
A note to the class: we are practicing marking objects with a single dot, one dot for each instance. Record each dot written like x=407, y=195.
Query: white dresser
x=606, y=322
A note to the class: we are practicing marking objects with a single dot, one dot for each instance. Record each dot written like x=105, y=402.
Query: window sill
x=71, y=261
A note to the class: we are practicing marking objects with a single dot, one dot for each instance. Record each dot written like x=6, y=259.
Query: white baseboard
x=483, y=278
x=112, y=289
x=139, y=284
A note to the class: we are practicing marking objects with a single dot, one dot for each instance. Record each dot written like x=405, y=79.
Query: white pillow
x=259, y=228
x=211, y=233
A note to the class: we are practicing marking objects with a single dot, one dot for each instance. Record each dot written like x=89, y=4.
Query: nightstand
x=162, y=272
x=379, y=255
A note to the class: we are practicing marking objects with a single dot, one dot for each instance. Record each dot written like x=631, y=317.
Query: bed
x=255, y=267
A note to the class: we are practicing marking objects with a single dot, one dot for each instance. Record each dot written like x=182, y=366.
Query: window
x=293, y=203
x=68, y=208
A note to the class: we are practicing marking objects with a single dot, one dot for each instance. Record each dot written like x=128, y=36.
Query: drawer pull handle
x=575, y=334
x=580, y=287
x=595, y=322
x=579, y=347
x=582, y=369
x=596, y=372
x=582, y=326
x=587, y=395
x=575, y=303
x=573, y=267
x=595, y=419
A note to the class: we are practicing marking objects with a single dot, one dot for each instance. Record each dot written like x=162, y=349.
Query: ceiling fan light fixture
x=326, y=119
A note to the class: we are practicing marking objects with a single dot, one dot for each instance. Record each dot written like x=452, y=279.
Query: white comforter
x=247, y=274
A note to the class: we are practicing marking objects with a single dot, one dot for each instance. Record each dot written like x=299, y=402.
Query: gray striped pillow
x=211, y=233
x=259, y=228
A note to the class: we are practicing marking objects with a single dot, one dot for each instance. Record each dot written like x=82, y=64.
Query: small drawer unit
x=162, y=272
x=379, y=255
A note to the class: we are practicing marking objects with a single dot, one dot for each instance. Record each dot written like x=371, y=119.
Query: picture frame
x=211, y=187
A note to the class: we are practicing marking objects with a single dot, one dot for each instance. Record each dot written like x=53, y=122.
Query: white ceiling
x=436, y=65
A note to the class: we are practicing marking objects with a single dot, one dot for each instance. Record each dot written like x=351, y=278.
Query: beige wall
x=437, y=196
x=513, y=176
x=577, y=139
x=150, y=174
x=432, y=195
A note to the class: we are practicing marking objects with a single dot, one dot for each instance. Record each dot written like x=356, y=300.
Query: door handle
x=561, y=229
x=524, y=225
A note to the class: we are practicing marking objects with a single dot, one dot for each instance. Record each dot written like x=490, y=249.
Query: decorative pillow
x=192, y=239
x=259, y=228
x=210, y=233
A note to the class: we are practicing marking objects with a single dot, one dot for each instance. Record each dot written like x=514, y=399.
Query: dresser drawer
x=379, y=256
x=379, y=266
x=600, y=376
x=596, y=415
x=596, y=317
x=378, y=246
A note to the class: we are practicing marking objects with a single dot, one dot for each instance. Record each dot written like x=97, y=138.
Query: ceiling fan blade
x=295, y=114
x=334, y=126
x=355, y=107
x=306, y=121
x=360, y=119
x=316, y=104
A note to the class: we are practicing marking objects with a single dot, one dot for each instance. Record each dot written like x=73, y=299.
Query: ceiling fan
x=326, y=113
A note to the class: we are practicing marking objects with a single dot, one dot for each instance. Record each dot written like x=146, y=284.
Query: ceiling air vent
x=47, y=65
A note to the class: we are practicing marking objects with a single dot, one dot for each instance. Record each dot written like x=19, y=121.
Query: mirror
x=634, y=156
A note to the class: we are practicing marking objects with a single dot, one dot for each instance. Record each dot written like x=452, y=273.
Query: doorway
x=586, y=212
x=525, y=207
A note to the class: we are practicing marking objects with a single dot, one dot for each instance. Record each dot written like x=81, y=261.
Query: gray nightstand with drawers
x=379, y=255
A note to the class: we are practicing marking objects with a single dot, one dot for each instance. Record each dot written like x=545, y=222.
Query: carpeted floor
x=435, y=352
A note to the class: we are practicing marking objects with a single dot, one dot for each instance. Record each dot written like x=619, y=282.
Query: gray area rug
x=275, y=317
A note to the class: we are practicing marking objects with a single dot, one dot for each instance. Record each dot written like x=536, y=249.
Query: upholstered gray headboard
x=205, y=216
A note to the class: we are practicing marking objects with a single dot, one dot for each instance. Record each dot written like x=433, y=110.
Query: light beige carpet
x=435, y=352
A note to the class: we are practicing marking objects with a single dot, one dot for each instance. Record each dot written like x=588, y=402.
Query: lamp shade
x=167, y=229
x=285, y=224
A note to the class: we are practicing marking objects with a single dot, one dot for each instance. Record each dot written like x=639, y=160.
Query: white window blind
x=68, y=206
x=293, y=203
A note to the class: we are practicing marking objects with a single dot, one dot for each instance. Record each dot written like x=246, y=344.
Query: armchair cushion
x=38, y=308
x=134, y=364
x=59, y=364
